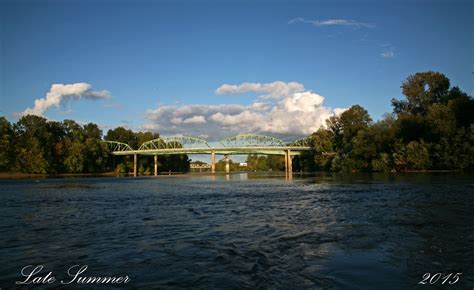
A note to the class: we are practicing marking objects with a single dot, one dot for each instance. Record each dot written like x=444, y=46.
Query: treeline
x=36, y=145
x=265, y=162
x=254, y=162
x=431, y=129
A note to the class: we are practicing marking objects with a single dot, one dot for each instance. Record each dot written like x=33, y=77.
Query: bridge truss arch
x=251, y=140
x=116, y=146
x=174, y=142
x=303, y=142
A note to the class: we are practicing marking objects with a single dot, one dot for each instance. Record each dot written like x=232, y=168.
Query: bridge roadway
x=237, y=145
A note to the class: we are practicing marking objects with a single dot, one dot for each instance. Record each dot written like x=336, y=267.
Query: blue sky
x=157, y=59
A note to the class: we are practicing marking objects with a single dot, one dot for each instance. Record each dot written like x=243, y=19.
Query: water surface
x=244, y=231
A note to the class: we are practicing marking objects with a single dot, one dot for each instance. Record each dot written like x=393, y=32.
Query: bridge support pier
x=288, y=161
x=213, y=162
x=135, y=161
x=227, y=165
x=156, y=165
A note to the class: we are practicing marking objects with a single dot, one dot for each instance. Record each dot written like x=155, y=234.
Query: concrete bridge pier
x=135, y=161
x=156, y=165
x=213, y=162
x=288, y=161
x=227, y=165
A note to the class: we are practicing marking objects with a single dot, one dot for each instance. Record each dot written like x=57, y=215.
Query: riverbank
x=19, y=175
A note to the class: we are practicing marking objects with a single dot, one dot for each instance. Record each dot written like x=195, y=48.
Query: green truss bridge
x=236, y=145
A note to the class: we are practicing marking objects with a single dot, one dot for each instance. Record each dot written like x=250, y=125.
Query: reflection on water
x=243, y=230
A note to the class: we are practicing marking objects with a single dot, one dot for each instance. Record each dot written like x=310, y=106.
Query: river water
x=244, y=231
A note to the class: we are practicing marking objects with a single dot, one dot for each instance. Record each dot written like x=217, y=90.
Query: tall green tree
x=6, y=145
x=347, y=125
x=422, y=90
x=34, y=145
x=323, y=143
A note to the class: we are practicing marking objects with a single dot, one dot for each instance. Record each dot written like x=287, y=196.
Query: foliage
x=323, y=141
x=432, y=128
x=422, y=90
x=36, y=145
x=233, y=166
x=265, y=163
x=6, y=144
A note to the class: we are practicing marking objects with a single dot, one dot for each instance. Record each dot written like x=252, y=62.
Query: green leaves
x=431, y=129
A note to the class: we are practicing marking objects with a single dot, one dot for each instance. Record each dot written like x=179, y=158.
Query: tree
x=442, y=122
x=422, y=90
x=414, y=155
x=345, y=128
x=265, y=162
x=347, y=125
x=6, y=144
x=143, y=137
x=436, y=118
x=417, y=155
x=120, y=134
x=412, y=127
x=85, y=152
x=74, y=162
x=462, y=106
x=323, y=142
x=74, y=147
x=174, y=163
x=276, y=162
x=33, y=147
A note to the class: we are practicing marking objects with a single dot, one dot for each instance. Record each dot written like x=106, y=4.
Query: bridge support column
x=135, y=161
x=286, y=161
x=213, y=162
x=156, y=165
x=227, y=165
x=290, y=161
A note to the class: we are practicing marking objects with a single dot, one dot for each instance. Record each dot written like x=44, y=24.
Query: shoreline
x=18, y=175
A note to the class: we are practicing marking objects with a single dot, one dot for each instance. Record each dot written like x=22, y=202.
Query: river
x=244, y=231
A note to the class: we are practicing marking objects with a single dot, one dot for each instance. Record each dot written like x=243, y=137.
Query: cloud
x=275, y=89
x=195, y=120
x=282, y=109
x=389, y=53
x=64, y=92
x=333, y=22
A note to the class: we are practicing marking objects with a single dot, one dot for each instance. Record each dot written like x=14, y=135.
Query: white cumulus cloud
x=283, y=109
x=64, y=92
